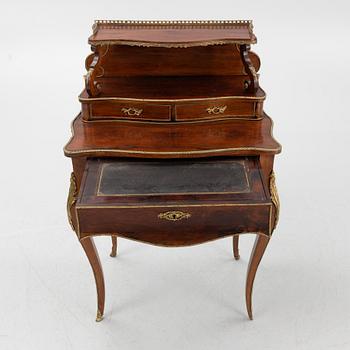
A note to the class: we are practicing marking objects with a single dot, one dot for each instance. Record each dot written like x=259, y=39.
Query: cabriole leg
x=91, y=253
x=114, y=247
x=235, y=247
x=260, y=245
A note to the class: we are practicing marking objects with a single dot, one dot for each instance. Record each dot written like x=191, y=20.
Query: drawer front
x=216, y=109
x=129, y=111
x=175, y=226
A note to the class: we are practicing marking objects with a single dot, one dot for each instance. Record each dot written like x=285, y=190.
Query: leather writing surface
x=153, y=177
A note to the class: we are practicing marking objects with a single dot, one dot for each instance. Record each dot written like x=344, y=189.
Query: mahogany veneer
x=172, y=146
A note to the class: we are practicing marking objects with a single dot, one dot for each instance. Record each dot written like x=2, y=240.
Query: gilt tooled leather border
x=101, y=194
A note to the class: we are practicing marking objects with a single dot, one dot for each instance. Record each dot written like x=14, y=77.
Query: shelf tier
x=172, y=33
x=172, y=88
x=171, y=140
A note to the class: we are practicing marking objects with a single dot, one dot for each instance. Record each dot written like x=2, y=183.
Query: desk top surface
x=171, y=140
x=172, y=33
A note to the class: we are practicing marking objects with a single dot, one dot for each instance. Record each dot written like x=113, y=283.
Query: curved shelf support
x=93, y=65
x=253, y=84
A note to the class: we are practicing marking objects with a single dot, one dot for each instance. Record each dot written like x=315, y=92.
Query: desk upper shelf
x=171, y=48
x=172, y=33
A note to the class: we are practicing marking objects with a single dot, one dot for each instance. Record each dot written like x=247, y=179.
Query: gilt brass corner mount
x=274, y=197
x=72, y=198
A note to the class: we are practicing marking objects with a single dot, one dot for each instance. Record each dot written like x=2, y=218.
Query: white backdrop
x=180, y=298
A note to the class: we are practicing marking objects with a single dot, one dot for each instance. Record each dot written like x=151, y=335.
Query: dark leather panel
x=154, y=177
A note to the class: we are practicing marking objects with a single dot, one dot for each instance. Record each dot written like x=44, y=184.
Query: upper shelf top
x=172, y=33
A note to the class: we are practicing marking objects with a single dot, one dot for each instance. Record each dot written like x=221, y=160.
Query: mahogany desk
x=172, y=146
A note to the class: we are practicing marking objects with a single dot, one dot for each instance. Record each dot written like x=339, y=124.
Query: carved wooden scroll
x=94, y=68
x=253, y=84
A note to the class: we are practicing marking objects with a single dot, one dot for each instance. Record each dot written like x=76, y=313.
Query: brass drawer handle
x=132, y=111
x=174, y=215
x=216, y=109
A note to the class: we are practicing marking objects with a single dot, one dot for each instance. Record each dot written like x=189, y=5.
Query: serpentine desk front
x=172, y=146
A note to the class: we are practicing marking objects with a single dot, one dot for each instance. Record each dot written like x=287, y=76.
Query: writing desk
x=172, y=146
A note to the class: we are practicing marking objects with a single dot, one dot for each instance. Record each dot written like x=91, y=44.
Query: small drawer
x=216, y=109
x=129, y=111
